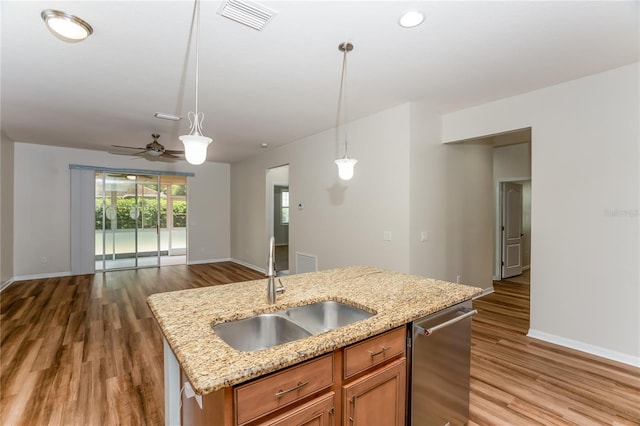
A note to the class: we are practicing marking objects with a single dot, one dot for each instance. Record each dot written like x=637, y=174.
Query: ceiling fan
x=152, y=150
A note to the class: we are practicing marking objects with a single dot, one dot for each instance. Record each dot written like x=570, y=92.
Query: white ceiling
x=282, y=84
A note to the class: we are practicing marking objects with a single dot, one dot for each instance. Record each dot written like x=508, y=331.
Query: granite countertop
x=186, y=318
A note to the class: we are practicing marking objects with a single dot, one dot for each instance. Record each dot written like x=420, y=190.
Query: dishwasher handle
x=428, y=331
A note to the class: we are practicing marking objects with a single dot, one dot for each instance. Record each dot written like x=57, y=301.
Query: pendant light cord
x=197, y=52
x=342, y=98
x=196, y=118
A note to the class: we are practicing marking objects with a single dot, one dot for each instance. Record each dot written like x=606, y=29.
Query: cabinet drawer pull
x=295, y=388
x=383, y=350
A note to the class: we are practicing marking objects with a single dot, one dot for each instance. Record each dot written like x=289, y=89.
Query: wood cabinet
x=373, y=352
x=362, y=384
x=318, y=412
x=269, y=394
x=374, y=390
x=377, y=398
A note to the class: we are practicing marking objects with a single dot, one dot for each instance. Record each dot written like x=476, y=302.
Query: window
x=284, y=209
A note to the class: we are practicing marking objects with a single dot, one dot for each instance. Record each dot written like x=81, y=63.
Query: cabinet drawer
x=268, y=394
x=374, y=351
x=318, y=412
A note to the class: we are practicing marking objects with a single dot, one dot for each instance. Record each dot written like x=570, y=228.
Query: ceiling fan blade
x=169, y=155
x=128, y=154
x=127, y=147
x=173, y=151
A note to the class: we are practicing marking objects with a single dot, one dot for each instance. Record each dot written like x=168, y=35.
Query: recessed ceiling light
x=66, y=27
x=411, y=19
x=264, y=145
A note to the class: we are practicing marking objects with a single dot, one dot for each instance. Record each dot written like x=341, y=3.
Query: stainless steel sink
x=259, y=332
x=324, y=316
x=267, y=330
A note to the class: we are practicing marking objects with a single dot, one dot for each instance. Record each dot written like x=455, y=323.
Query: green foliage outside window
x=147, y=220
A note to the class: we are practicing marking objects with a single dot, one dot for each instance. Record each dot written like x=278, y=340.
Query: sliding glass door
x=174, y=239
x=128, y=220
x=140, y=220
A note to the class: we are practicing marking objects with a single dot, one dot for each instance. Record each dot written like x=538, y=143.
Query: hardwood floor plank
x=519, y=380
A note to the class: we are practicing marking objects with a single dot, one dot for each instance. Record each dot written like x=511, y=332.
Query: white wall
x=340, y=222
x=585, y=289
x=6, y=208
x=42, y=206
x=451, y=200
x=512, y=161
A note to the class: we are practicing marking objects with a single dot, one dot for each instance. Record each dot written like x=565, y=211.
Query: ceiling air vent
x=246, y=12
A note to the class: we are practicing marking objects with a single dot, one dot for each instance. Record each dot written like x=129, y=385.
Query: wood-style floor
x=516, y=380
x=85, y=350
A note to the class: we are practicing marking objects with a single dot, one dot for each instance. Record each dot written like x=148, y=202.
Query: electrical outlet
x=458, y=279
x=44, y=260
x=423, y=236
x=386, y=235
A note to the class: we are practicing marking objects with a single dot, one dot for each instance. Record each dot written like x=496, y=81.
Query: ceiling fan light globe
x=345, y=167
x=195, y=148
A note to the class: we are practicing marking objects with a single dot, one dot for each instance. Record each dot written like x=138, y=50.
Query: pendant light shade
x=345, y=164
x=195, y=144
x=195, y=148
x=345, y=167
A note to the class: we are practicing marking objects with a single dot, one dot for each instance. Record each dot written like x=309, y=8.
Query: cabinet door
x=377, y=398
x=318, y=412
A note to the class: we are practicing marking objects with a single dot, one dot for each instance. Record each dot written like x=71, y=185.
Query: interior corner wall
x=42, y=191
x=585, y=281
x=342, y=223
x=451, y=201
x=7, y=147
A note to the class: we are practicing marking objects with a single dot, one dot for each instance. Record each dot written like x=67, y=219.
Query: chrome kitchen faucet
x=272, y=290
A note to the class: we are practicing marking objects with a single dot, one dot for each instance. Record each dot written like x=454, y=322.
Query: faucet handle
x=280, y=289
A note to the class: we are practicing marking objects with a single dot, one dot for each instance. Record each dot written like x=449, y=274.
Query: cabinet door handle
x=300, y=385
x=381, y=351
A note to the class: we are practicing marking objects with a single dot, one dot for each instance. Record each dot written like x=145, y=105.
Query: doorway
x=278, y=219
x=513, y=230
x=140, y=220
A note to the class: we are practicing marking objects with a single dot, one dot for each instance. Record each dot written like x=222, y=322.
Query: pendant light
x=195, y=144
x=345, y=164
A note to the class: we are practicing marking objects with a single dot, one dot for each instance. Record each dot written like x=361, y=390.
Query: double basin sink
x=267, y=330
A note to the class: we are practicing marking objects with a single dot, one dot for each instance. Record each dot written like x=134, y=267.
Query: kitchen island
x=210, y=365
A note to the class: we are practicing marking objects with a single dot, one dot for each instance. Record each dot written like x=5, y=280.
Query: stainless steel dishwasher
x=439, y=369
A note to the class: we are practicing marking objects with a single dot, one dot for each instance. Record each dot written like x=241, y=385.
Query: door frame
x=497, y=255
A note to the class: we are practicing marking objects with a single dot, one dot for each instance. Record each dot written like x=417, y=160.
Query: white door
x=511, y=229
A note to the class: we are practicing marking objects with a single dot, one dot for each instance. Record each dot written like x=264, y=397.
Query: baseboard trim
x=248, y=265
x=203, y=261
x=34, y=277
x=585, y=347
x=6, y=284
x=41, y=276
